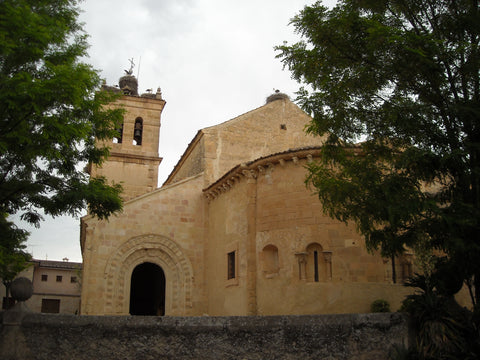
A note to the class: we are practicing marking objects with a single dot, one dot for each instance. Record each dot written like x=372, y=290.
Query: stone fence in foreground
x=26, y=335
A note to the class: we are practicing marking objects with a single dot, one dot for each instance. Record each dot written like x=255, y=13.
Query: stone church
x=232, y=231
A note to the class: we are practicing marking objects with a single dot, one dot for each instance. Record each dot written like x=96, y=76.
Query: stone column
x=407, y=265
x=302, y=265
x=12, y=341
x=386, y=267
x=251, y=176
x=327, y=255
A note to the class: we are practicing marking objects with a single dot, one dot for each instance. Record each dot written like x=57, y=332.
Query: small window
x=59, y=278
x=44, y=277
x=51, y=306
x=231, y=265
x=73, y=279
x=316, y=266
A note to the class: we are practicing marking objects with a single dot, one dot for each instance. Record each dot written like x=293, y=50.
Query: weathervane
x=132, y=64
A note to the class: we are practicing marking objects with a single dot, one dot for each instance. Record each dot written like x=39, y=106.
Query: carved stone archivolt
x=156, y=249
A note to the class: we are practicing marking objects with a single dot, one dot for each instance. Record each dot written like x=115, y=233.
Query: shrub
x=380, y=306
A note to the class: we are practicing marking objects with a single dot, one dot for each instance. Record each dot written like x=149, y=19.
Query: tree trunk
x=8, y=304
x=476, y=288
x=394, y=272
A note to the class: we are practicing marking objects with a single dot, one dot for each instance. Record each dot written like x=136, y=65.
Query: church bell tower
x=134, y=159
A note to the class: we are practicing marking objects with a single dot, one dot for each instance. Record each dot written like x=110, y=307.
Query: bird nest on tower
x=129, y=85
x=277, y=96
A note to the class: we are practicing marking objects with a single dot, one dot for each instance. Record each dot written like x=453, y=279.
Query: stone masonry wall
x=164, y=228
x=354, y=336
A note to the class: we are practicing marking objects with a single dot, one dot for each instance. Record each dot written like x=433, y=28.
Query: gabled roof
x=192, y=145
x=188, y=150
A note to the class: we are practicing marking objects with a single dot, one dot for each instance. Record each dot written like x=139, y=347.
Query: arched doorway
x=147, y=290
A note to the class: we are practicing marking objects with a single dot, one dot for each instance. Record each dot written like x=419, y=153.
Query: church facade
x=232, y=231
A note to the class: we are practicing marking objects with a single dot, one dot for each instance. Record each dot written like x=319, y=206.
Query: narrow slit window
x=231, y=265
x=316, y=267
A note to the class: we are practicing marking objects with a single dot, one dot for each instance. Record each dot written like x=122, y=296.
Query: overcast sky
x=213, y=60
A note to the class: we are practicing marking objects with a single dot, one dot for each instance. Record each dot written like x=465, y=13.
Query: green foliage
x=402, y=77
x=443, y=329
x=51, y=115
x=380, y=306
x=13, y=257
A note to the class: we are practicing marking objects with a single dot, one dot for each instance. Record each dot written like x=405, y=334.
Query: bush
x=380, y=306
x=443, y=329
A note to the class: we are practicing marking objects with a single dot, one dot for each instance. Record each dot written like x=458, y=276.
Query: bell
x=137, y=132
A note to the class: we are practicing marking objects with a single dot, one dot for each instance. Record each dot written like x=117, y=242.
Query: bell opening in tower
x=138, y=131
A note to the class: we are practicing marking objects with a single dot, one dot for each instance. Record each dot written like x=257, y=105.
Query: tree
x=13, y=257
x=51, y=116
x=395, y=85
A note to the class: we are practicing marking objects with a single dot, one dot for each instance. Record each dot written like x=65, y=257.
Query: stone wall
x=192, y=161
x=165, y=228
x=263, y=212
x=134, y=166
x=354, y=336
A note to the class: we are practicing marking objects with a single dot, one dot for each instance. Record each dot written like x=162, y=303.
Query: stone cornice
x=132, y=157
x=258, y=167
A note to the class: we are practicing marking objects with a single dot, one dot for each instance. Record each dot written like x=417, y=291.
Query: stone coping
x=211, y=322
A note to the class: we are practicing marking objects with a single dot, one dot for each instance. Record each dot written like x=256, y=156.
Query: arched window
x=270, y=260
x=316, y=268
x=138, y=131
x=118, y=139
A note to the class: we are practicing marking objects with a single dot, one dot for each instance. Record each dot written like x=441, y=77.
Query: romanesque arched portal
x=147, y=290
x=157, y=250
